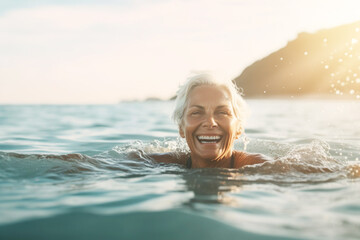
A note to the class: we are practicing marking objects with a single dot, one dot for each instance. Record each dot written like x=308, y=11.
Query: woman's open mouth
x=209, y=139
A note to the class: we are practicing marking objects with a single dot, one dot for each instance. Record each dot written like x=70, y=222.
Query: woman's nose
x=210, y=122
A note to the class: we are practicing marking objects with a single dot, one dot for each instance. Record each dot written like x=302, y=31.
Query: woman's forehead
x=207, y=94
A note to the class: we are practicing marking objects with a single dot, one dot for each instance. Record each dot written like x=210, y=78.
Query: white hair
x=237, y=102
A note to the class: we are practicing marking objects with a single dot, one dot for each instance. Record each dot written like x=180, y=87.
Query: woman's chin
x=208, y=151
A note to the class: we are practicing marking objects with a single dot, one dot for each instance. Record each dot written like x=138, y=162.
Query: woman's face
x=209, y=124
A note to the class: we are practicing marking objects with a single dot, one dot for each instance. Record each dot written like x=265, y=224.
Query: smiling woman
x=210, y=116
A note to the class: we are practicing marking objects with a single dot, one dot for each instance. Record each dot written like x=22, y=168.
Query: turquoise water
x=66, y=172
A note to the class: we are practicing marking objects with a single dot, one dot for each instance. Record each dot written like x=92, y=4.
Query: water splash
x=345, y=70
x=245, y=140
x=301, y=161
x=305, y=163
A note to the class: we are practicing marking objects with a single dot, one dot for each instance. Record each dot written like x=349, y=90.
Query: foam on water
x=290, y=162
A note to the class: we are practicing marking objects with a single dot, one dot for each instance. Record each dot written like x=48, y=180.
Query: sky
x=103, y=52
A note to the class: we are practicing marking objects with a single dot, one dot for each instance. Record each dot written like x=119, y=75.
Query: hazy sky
x=105, y=51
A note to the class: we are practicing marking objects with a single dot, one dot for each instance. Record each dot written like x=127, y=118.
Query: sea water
x=66, y=172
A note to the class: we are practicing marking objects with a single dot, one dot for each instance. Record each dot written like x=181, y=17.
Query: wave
x=307, y=162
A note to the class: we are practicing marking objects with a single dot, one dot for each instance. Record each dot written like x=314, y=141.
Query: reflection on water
x=212, y=185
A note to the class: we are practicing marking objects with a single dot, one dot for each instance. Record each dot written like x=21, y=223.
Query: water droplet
x=326, y=67
x=305, y=53
x=352, y=91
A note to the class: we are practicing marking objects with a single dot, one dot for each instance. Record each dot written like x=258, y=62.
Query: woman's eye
x=224, y=113
x=195, y=113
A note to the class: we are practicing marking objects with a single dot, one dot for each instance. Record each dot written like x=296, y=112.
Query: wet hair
x=237, y=102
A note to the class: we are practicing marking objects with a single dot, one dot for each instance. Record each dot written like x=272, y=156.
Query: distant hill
x=323, y=63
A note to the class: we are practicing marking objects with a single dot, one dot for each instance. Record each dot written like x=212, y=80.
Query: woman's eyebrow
x=202, y=107
x=222, y=106
x=197, y=106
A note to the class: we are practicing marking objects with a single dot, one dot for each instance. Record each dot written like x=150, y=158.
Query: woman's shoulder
x=244, y=158
x=170, y=157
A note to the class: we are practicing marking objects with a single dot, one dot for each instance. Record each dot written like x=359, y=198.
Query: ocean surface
x=67, y=172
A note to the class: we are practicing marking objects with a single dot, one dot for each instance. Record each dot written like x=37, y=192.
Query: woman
x=210, y=116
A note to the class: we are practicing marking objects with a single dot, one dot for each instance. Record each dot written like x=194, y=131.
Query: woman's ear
x=238, y=134
x=239, y=131
x=181, y=132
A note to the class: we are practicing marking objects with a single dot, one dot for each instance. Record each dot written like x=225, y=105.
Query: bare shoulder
x=169, y=157
x=243, y=159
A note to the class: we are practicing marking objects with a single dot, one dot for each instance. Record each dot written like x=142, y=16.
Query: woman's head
x=210, y=115
x=238, y=103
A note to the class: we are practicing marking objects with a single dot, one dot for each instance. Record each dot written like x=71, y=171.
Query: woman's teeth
x=209, y=139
